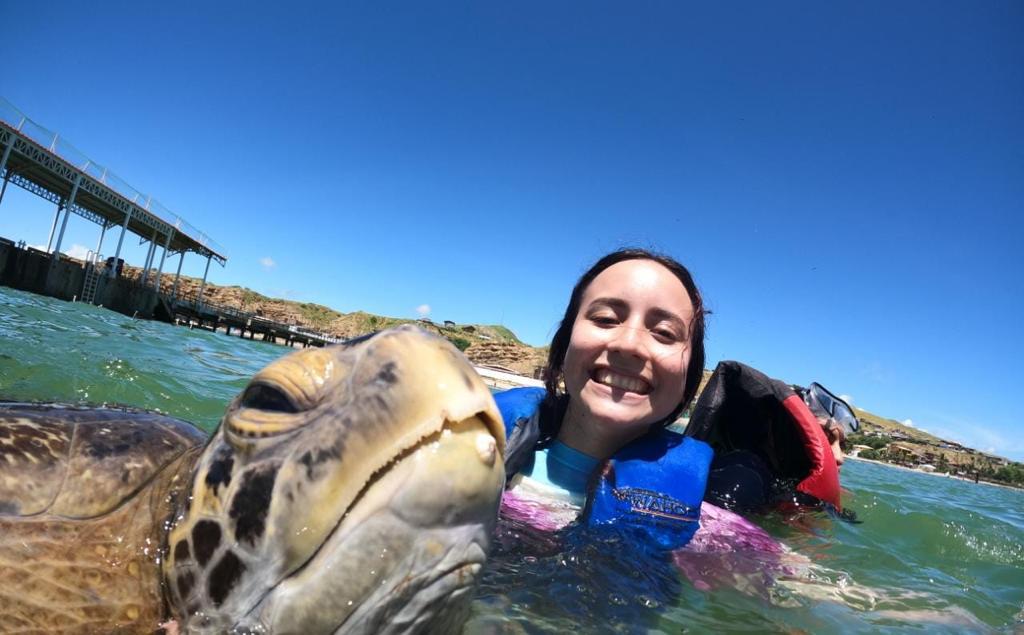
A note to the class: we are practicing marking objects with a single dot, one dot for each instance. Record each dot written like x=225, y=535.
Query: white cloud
x=77, y=251
x=847, y=398
x=268, y=263
x=423, y=310
x=908, y=423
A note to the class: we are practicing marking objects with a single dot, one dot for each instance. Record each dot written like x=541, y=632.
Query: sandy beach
x=938, y=474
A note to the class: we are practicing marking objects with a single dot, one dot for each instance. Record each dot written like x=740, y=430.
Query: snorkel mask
x=825, y=405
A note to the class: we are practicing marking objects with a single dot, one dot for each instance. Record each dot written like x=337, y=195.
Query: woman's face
x=625, y=367
x=836, y=437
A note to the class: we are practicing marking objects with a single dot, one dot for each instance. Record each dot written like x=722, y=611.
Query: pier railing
x=55, y=144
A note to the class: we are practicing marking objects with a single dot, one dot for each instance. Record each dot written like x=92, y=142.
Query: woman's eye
x=666, y=336
x=604, y=320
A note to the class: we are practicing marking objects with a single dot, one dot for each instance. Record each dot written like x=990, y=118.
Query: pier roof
x=40, y=161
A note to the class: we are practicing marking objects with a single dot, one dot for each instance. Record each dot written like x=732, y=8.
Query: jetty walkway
x=194, y=312
x=45, y=164
x=42, y=162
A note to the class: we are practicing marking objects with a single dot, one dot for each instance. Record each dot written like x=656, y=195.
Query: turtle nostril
x=264, y=397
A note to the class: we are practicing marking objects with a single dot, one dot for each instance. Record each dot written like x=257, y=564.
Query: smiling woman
x=626, y=363
x=629, y=352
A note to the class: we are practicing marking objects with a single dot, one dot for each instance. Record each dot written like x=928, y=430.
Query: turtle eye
x=269, y=398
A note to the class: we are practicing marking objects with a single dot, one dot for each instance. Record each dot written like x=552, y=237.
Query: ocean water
x=931, y=554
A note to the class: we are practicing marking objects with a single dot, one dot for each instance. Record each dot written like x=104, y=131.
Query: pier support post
x=145, y=264
x=99, y=243
x=53, y=226
x=149, y=258
x=67, y=212
x=160, y=269
x=117, y=254
x=3, y=188
x=3, y=164
x=174, y=291
x=202, y=287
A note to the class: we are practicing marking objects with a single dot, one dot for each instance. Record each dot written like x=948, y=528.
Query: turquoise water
x=932, y=554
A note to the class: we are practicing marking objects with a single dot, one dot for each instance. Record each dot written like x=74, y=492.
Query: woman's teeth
x=615, y=380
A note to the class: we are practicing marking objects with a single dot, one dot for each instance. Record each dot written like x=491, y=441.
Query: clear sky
x=845, y=182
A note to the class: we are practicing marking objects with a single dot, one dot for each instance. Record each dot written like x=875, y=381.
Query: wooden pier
x=214, y=317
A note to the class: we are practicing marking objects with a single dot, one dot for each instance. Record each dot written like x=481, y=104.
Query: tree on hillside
x=871, y=455
x=873, y=442
x=1010, y=474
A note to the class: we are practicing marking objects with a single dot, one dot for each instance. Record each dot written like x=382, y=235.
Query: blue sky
x=845, y=182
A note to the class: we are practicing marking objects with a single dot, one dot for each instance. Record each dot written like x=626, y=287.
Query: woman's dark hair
x=560, y=341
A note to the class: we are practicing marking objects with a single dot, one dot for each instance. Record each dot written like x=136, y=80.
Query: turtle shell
x=81, y=463
x=85, y=498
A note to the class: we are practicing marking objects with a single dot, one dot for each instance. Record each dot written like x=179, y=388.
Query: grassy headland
x=487, y=344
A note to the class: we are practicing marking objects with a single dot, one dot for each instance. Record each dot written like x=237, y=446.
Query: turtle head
x=347, y=487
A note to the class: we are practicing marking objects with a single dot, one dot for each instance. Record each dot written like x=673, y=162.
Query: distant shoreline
x=941, y=474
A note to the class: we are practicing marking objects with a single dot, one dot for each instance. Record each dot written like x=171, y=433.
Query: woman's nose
x=627, y=339
x=837, y=451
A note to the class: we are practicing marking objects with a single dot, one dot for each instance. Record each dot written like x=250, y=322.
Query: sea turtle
x=352, y=488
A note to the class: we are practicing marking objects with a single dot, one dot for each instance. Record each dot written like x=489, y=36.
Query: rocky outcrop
x=518, y=358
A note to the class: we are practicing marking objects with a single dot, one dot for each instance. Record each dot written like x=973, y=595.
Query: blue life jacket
x=652, y=487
